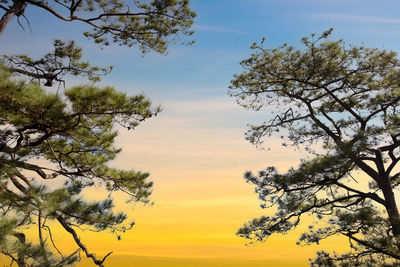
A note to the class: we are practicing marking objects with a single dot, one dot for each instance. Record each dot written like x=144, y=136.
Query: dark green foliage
x=341, y=104
x=53, y=146
x=69, y=138
x=151, y=25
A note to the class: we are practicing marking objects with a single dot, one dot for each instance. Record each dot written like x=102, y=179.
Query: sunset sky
x=195, y=148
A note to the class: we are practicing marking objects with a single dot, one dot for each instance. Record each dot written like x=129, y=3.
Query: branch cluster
x=70, y=140
x=344, y=99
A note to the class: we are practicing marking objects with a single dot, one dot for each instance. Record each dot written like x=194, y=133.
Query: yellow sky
x=200, y=196
x=195, y=150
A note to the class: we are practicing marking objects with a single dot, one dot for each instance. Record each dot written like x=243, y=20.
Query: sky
x=195, y=148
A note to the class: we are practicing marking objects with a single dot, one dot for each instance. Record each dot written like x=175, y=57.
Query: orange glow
x=200, y=201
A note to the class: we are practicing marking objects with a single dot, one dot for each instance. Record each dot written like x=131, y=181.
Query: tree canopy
x=45, y=137
x=151, y=25
x=55, y=145
x=64, y=60
x=339, y=102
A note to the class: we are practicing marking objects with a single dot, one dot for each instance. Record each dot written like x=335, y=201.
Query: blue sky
x=225, y=30
x=196, y=147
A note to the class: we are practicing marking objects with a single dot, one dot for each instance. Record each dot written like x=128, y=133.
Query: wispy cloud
x=350, y=17
x=217, y=29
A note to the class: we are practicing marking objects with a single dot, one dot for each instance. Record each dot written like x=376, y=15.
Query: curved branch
x=369, y=245
x=17, y=9
x=80, y=244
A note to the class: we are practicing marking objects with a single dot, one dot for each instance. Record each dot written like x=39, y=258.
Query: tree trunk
x=16, y=9
x=391, y=208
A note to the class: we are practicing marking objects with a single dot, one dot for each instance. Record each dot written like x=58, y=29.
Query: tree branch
x=80, y=244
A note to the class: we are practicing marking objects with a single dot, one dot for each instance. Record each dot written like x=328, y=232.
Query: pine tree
x=340, y=103
x=48, y=139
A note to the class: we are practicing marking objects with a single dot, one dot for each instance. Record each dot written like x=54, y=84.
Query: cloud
x=217, y=29
x=196, y=135
x=358, y=18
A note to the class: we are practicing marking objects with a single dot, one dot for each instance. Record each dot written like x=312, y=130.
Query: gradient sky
x=195, y=149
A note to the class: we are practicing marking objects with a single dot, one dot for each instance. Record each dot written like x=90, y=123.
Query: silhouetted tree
x=54, y=145
x=341, y=103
